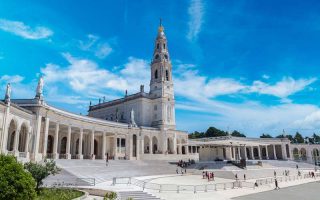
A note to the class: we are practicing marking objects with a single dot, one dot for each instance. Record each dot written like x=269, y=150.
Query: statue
x=141, y=88
x=132, y=122
x=39, y=88
x=7, y=97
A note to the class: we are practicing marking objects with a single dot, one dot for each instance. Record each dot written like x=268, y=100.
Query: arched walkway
x=63, y=147
x=295, y=154
x=303, y=154
x=11, y=135
x=146, y=144
x=50, y=144
x=155, y=144
x=23, y=138
x=170, y=146
x=315, y=154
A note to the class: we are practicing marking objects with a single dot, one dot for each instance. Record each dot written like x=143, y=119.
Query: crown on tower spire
x=161, y=28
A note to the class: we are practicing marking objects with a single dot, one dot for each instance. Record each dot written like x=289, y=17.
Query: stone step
x=137, y=195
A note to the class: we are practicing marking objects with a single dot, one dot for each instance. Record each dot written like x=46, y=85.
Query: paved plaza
x=309, y=191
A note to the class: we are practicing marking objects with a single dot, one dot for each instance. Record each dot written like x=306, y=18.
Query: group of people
x=183, y=164
x=208, y=175
x=312, y=174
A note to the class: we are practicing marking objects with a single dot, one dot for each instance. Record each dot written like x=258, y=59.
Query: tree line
x=215, y=132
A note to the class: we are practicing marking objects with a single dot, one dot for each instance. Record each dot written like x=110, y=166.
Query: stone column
x=92, y=145
x=128, y=149
x=16, y=142
x=252, y=154
x=150, y=147
x=274, y=152
x=115, y=147
x=80, y=144
x=234, y=153
x=267, y=154
x=187, y=149
x=26, y=147
x=245, y=153
x=284, y=154
x=37, y=137
x=56, y=142
x=259, y=152
x=68, y=143
x=175, y=145
x=103, y=145
x=239, y=153
x=45, y=139
x=180, y=148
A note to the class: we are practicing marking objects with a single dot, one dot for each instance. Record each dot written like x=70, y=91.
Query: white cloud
x=11, y=79
x=25, y=31
x=87, y=78
x=282, y=89
x=94, y=44
x=265, y=76
x=196, y=14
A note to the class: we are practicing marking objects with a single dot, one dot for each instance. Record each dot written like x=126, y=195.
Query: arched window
x=157, y=45
x=156, y=57
x=166, y=56
x=156, y=74
x=167, y=75
x=164, y=46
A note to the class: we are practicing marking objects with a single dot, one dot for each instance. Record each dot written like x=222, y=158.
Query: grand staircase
x=137, y=195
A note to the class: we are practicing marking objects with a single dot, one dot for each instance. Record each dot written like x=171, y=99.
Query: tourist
x=236, y=176
x=244, y=176
x=276, y=184
x=297, y=166
x=212, y=176
x=274, y=173
x=185, y=170
x=177, y=171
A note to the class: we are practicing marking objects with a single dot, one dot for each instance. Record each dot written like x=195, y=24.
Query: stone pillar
x=228, y=153
x=234, y=153
x=103, y=145
x=45, y=139
x=151, y=147
x=128, y=148
x=274, y=152
x=56, y=142
x=115, y=147
x=239, y=153
x=252, y=154
x=175, y=144
x=180, y=148
x=187, y=149
x=37, y=137
x=16, y=142
x=245, y=153
x=68, y=143
x=26, y=147
x=259, y=152
x=267, y=154
x=80, y=156
x=284, y=151
x=92, y=145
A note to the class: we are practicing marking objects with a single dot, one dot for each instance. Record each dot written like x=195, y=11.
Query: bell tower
x=161, y=84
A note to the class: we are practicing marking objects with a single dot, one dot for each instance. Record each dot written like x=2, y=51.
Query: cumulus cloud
x=86, y=77
x=11, y=79
x=282, y=89
x=196, y=15
x=95, y=45
x=20, y=29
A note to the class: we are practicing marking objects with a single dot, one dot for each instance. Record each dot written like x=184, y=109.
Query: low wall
x=170, y=157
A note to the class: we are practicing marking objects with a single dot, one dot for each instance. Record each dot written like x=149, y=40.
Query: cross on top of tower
x=161, y=28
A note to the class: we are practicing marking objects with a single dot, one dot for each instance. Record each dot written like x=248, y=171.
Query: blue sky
x=252, y=66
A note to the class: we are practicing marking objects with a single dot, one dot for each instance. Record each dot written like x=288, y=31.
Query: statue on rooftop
x=7, y=97
x=39, y=92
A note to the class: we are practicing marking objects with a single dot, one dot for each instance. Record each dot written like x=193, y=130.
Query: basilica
x=138, y=126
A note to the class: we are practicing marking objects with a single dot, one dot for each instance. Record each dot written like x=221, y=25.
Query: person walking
x=276, y=184
x=244, y=176
x=107, y=159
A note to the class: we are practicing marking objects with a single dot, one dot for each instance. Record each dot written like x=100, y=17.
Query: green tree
x=316, y=138
x=236, y=133
x=110, y=196
x=265, y=136
x=40, y=171
x=214, y=132
x=196, y=134
x=298, y=138
x=15, y=182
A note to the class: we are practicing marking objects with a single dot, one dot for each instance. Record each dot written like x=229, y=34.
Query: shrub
x=110, y=196
x=15, y=182
x=40, y=171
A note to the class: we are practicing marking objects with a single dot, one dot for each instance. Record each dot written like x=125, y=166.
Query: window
x=167, y=75
x=158, y=46
x=164, y=46
x=156, y=74
x=156, y=57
